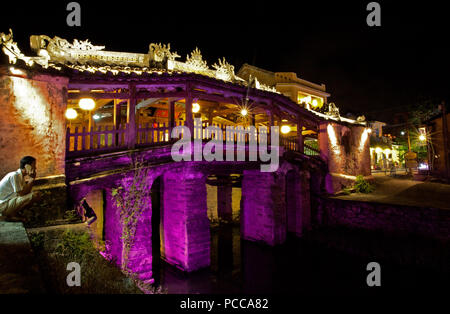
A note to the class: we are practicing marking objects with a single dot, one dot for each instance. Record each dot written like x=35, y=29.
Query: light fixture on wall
x=244, y=112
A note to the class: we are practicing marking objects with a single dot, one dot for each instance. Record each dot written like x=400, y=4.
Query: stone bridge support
x=140, y=253
x=224, y=198
x=298, y=204
x=186, y=232
x=263, y=216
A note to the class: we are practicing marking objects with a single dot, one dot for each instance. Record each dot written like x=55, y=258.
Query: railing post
x=300, y=139
x=91, y=138
x=75, y=140
x=68, y=139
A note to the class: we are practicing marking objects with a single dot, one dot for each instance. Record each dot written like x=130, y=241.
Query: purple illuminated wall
x=186, y=233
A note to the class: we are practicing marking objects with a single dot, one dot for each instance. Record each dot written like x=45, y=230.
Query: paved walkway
x=402, y=191
x=19, y=272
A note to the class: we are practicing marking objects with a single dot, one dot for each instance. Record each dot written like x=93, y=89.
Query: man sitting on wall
x=15, y=190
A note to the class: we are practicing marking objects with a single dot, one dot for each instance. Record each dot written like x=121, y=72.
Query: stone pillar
x=113, y=229
x=186, y=231
x=263, y=216
x=140, y=253
x=224, y=198
x=298, y=206
x=304, y=210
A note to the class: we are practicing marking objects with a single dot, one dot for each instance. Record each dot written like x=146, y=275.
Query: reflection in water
x=239, y=266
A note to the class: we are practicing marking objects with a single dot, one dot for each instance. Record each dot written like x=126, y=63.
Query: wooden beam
x=188, y=109
x=171, y=116
x=108, y=95
x=131, y=117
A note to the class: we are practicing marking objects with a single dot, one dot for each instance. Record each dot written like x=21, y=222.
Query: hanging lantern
x=195, y=107
x=285, y=129
x=86, y=103
x=71, y=114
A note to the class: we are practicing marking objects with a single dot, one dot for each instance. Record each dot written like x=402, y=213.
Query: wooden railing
x=289, y=143
x=98, y=140
x=153, y=133
x=79, y=143
x=310, y=151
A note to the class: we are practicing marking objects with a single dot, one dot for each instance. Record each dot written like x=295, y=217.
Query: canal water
x=324, y=262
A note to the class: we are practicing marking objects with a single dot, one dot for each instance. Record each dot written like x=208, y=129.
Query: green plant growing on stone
x=131, y=198
x=37, y=240
x=362, y=186
x=75, y=245
x=71, y=216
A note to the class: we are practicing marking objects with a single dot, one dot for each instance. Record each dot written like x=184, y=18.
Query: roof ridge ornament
x=10, y=48
x=196, y=62
x=159, y=55
x=55, y=44
x=224, y=70
x=82, y=55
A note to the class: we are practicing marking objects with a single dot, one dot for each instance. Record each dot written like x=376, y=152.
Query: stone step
x=19, y=272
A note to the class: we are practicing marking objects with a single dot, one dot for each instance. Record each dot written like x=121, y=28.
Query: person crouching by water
x=15, y=189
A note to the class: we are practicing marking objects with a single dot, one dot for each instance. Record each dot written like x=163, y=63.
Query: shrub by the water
x=56, y=248
x=362, y=186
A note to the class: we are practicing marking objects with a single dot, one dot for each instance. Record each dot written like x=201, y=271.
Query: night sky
x=374, y=71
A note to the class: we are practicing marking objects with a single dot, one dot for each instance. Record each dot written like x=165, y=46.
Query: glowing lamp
x=71, y=114
x=86, y=103
x=369, y=131
x=422, y=137
x=285, y=129
x=314, y=103
x=402, y=132
x=195, y=107
x=378, y=150
x=244, y=112
x=96, y=116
